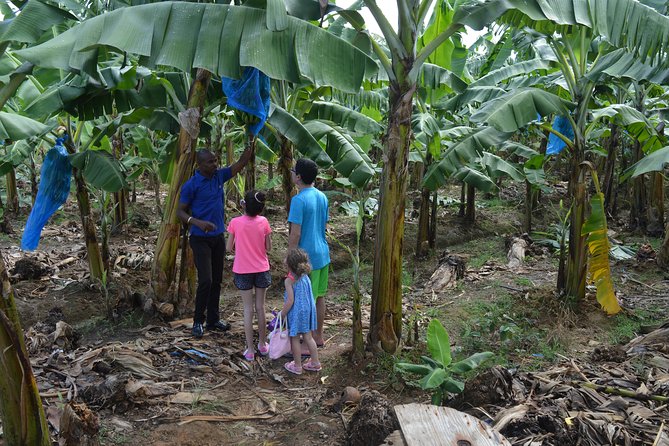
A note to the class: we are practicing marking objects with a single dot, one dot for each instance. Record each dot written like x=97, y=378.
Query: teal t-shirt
x=309, y=209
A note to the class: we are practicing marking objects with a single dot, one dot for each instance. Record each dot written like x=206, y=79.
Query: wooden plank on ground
x=427, y=425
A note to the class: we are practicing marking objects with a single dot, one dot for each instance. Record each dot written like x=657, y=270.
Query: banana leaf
x=653, y=162
x=209, y=36
x=351, y=120
x=516, y=109
x=100, y=169
x=461, y=153
x=599, y=269
x=438, y=343
x=17, y=127
x=348, y=158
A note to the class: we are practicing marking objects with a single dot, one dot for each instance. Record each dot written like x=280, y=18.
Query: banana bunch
x=241, y=118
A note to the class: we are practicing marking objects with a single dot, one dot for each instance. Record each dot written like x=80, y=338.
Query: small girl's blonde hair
x=298, y=262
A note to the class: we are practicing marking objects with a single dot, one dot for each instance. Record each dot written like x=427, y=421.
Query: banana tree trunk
x=470, y=210
x=231, y=191
x=433, y=222
x=422, y=238
x=33, y=179
x=12, y=191
x=610, y=187
x=663, y=253
x=386, y=315
x=639, y=196
x=576, y=268
x=285, y=164
x=250, y=173
x=120, y=197
x=93, y=253
x=21, y=411
x=463, y=200
x=656, y=208
x=163, y=273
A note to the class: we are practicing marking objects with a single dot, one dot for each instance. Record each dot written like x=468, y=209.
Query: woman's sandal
x=292, y=368
x=308, y=365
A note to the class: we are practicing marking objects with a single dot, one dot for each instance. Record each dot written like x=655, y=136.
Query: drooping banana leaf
x=635, y=122
x=100, y=169
x=16, y=154
x=622, y=64
x=471, y=95
x=623, y=23
x=348, y=158
x=209, y=36
x=35, y=18
x=17, y=127
x=352, y=120
x=475, y=178
x=461, y=153
x=516, y=109
x=503, y=74
x=599, y=269
x=293, y=130
x=497, y=167
x=434, y=76
x=654, y=162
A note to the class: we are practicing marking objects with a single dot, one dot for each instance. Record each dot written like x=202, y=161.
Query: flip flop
x=312, y=368
x=292, y=368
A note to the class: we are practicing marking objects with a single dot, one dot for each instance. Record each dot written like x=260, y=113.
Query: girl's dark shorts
x=247, y=281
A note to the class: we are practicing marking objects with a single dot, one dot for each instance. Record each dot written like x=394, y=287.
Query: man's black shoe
x=198, y=331
x=219, y=326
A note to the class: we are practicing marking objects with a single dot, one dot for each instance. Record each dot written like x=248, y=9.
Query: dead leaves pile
x=164, y=376
x=618, y=402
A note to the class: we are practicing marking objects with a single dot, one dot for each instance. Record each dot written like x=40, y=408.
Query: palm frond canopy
x=218, y=38
x=623, y=23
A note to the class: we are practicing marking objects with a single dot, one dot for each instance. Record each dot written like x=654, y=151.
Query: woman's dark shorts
x=247, y=281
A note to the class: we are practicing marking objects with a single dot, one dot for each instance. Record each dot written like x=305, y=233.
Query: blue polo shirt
x=309, y=209
x=206, y=199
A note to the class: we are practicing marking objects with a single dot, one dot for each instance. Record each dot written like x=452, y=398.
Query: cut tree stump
x=427, y=425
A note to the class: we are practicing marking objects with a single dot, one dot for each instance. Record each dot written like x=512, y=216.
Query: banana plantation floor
x=137, y=379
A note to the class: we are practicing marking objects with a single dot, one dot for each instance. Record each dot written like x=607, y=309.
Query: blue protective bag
x=555, y=144
x=249, y=94
x=54, y=187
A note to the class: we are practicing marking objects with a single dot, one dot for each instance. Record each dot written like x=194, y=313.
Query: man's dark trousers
x=208, y=255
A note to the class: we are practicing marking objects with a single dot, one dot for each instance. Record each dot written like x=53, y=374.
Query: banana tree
x=579, y=33
x=21, y=411
x=188, y=35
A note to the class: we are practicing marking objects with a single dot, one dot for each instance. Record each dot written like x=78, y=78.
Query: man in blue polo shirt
x=307, y=220
x=202, y=209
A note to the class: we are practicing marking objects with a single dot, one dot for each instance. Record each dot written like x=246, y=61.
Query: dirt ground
x=259, y=402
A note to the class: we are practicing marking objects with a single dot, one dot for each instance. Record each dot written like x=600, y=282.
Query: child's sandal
x=292, y=368
x=308, y=365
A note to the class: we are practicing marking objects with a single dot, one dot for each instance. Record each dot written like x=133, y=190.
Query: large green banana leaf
x=497, y=167
x=349, y=159
x=623, y=23
x=100, y=169
x=622, y=64
x=517, y=69
x=636, y=123
x=433, y=77
x=218, y=38
x=351, y=120
x=17, y=127
x=595, y=230
x=16, y=154
x=518, y=108
x=461, y=153
x=34, y=19
x=475, y=178
x=293, y=130
x=472, y=95
x=654, y=162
